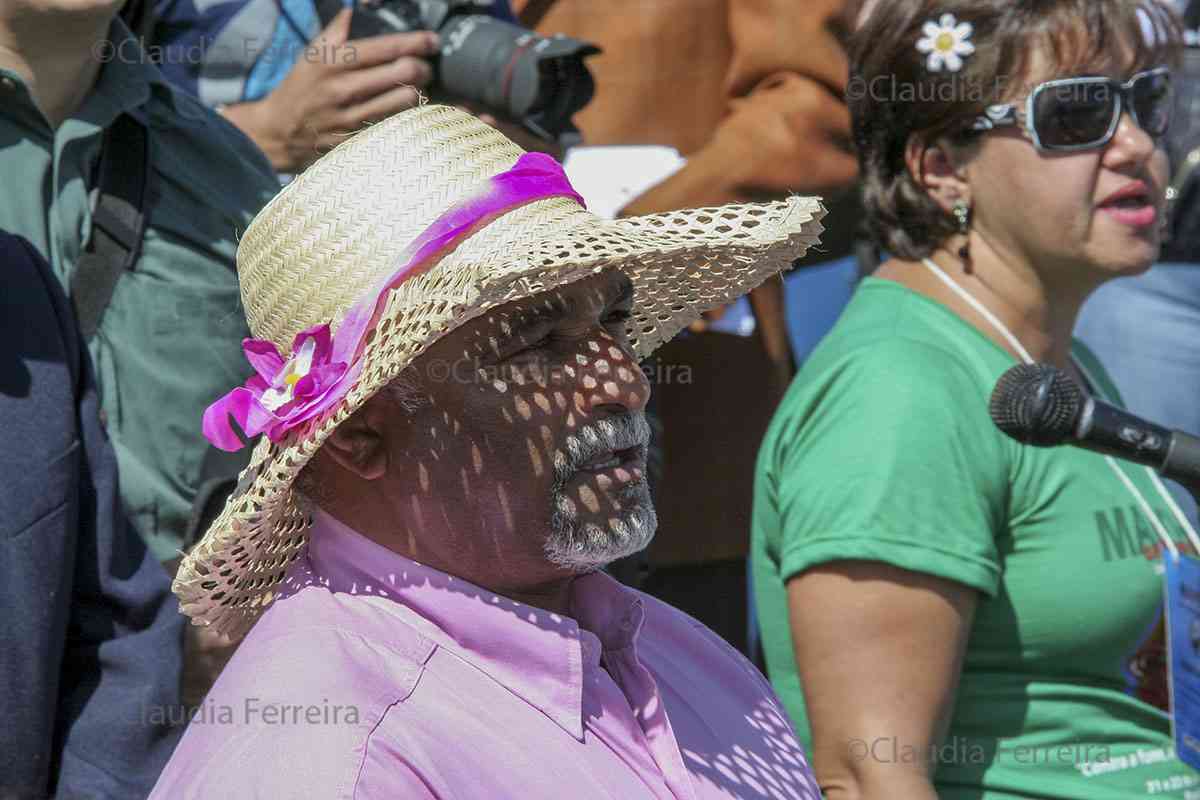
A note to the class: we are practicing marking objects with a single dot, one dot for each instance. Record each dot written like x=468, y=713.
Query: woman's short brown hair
x=892, y=95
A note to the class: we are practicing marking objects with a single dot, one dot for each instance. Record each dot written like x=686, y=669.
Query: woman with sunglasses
x=946, y=612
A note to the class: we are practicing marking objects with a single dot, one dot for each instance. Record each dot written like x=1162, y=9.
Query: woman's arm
x=879, y=651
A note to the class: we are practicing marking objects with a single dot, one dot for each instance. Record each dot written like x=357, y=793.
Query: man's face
x=528, y=438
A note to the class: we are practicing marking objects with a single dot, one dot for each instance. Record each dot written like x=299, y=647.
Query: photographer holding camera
x=321, y=98
x=298, y=76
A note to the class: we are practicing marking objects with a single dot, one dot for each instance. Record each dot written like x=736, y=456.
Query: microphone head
x=1037, y=404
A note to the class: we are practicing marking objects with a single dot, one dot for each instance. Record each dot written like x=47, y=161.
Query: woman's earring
x=962, y=215
x=1164, y=222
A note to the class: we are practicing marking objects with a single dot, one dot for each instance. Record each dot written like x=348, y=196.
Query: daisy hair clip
x=945, y=43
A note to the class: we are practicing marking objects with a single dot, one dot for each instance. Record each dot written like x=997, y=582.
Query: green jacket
x=170, y=342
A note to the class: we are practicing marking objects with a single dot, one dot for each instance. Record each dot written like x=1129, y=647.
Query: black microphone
x=1041, y=405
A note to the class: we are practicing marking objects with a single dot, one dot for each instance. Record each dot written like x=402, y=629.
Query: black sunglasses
x=1083, y=113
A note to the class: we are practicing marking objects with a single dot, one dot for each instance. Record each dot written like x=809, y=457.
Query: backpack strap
x=118, y=204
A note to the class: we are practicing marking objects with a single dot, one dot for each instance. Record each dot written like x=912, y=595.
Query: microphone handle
x=1183, y=462
x=1118, y=433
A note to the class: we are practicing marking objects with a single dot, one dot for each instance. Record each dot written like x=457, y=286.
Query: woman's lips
x=1141, y=215
x=1131, y=205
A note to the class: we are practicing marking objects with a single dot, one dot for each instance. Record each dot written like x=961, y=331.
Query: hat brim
x=681, y=264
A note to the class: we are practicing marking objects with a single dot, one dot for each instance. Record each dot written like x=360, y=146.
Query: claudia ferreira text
x=252, y=711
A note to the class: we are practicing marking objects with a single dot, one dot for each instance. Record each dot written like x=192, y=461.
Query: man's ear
x=938, y=172
x=359, y=445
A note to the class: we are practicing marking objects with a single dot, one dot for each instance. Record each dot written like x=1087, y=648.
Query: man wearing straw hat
x=448, y=384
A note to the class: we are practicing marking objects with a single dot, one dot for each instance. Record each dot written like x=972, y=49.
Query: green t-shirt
x=883, y=450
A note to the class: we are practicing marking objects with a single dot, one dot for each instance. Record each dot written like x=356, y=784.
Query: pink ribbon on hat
x=283, y=394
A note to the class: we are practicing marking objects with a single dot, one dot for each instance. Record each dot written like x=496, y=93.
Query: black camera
x=539, y=82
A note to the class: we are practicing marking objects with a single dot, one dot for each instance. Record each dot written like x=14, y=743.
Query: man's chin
x=586, y=545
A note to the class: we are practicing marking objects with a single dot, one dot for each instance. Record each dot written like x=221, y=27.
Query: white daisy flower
x=946, y=42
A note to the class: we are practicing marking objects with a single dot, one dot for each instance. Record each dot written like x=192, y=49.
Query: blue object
x=288, y=40
x=815, y=297
x=1183, y=648
x=91, y=638
x=738, y=319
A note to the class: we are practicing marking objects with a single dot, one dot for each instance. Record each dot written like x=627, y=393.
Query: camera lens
x=542, y=82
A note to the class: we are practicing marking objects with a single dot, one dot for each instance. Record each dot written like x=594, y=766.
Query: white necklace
x=1015, y=343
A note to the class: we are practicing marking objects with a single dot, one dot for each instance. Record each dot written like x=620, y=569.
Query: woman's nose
x=1131, y=143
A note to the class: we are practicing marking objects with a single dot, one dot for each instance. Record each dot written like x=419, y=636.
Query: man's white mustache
x=603, y=438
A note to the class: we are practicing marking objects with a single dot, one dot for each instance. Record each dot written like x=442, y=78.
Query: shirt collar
x=538, y=655
x=131, y=80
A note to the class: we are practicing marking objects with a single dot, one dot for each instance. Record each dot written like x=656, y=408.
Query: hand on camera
x=335, y=87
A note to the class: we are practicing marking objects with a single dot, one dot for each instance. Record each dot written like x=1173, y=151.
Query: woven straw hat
x=326, y=239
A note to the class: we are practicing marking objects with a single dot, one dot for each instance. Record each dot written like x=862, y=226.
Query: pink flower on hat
x=322, y=367
x=282, y=394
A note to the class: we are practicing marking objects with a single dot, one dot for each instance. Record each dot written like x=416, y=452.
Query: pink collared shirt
x=375, y=677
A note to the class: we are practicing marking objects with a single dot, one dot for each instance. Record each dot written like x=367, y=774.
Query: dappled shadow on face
x=518, y=454
x=557, y=370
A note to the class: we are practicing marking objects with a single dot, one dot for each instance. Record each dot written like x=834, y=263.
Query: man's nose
x=605, y=374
